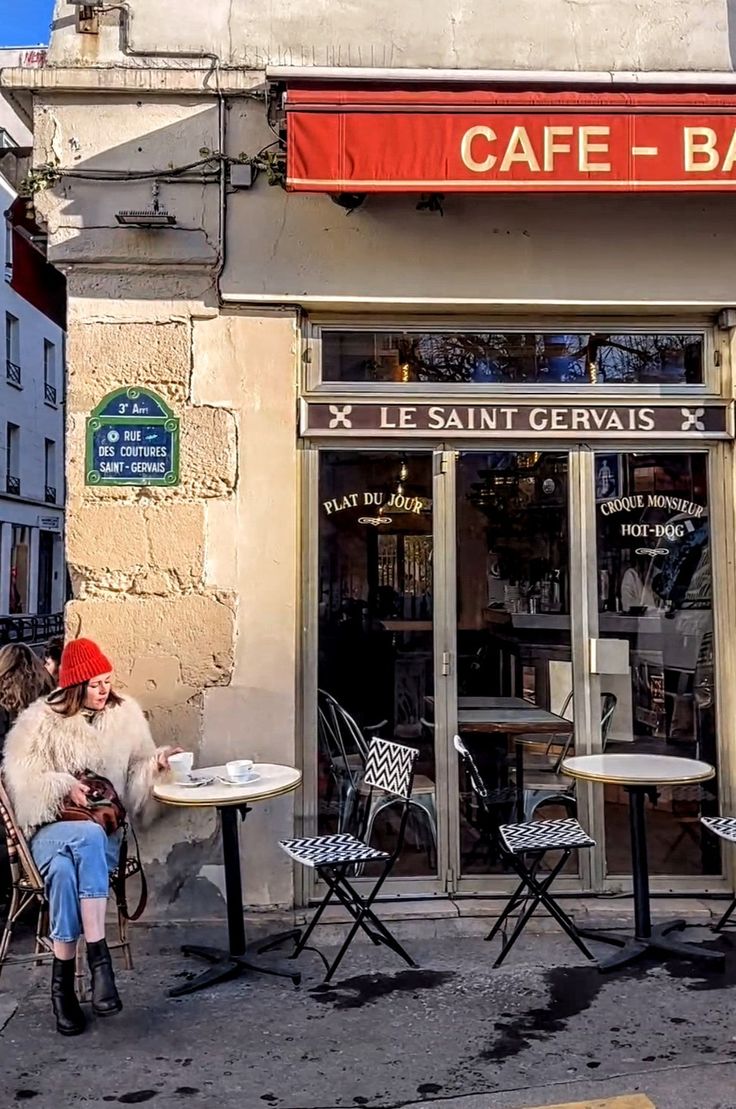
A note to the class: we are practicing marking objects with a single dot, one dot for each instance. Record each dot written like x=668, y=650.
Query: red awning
x=390, y=139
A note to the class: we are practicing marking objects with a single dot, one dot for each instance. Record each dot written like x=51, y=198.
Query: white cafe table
x=231, y=801
x=641, y=776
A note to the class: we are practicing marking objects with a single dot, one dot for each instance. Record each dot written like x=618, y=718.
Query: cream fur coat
x=44, y=749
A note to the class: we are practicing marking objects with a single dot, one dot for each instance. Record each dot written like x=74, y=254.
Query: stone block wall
x=192, y=590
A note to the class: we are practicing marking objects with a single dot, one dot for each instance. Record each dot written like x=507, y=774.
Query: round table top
x=637, y=770
x=272, y=781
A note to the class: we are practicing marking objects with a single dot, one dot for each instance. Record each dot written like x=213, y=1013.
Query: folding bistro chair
x=530, y=840
x=390, y=770
x=725, y=828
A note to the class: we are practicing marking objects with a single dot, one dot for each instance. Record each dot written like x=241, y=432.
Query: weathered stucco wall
x=466, y=34
x=494, y=249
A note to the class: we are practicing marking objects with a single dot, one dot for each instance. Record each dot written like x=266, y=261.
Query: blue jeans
x=75, y=858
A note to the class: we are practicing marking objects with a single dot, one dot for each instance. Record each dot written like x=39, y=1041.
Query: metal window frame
x=715, y=356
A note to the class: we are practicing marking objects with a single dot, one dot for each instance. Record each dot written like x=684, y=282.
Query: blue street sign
x=132, y=439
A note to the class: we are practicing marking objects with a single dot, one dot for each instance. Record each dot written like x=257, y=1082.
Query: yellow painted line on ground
x=627, y=1101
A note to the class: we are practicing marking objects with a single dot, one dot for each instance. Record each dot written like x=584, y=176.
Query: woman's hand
x=162, y=756
x=78, y=795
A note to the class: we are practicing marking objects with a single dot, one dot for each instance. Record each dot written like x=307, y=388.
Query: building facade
x=456, y=404
x=32, y=316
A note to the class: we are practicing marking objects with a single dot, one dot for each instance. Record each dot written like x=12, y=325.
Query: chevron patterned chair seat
x=725, y=828
x=389, y=770
x=544, y=835
x=531, y=839
x=331, y=850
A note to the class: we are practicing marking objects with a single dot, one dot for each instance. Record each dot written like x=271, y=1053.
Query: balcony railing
x=12, y=485
x=51, y=494
x=12, y=372
x=49, y=393
x=35, y=630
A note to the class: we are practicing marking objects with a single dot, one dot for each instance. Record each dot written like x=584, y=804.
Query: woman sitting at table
x=83, y=726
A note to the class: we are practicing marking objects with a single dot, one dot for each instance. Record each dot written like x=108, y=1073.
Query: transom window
x=512, y=358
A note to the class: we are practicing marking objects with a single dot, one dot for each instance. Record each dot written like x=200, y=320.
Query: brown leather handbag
x=103, y=806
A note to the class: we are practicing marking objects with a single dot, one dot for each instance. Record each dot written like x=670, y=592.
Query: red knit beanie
x=82, y=660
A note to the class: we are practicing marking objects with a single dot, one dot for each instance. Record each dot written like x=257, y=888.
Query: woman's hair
x=23, y=678
x=70, y=701
x=54, y=647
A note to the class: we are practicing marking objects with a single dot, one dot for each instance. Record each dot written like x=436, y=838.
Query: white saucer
x=194, y=782
x=245, y=782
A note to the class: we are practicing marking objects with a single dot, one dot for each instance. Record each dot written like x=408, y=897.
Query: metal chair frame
x=486, y=801
x=533, y=893
x=347, y=751
x=335, y=874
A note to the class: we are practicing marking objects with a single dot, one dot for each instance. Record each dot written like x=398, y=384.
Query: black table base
x=648, y=939
x=237, y=959
x=657, y=943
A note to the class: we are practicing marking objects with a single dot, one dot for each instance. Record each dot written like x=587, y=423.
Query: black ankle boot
x=105, y=997
x=69, y=1016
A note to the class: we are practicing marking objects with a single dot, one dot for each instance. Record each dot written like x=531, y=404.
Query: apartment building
x=32, y=323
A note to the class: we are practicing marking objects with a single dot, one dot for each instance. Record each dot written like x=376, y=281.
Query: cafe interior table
x=641, y=775
x=232, y=802
x=511, y=718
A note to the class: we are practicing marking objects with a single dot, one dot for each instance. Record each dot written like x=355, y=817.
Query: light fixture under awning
x=468, y=140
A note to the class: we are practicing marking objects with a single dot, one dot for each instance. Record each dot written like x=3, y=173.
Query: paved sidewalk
x=546, y=1029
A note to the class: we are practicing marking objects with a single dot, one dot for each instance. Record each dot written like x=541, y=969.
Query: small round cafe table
x=642, y=775
x=231, y=801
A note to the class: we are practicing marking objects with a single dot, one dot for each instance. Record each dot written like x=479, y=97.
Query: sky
x=25, y=22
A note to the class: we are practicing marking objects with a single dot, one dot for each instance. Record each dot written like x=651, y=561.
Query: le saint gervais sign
x=528, y=421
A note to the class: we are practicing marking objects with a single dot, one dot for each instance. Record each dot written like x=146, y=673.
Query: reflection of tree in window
x=524, y=357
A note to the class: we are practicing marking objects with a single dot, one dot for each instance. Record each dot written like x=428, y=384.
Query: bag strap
x=120, y=880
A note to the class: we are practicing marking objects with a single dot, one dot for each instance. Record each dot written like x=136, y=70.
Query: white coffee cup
x=181, y=765
x=239, y=770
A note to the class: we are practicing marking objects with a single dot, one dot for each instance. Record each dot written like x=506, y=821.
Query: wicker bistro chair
x=28, y=893
x=530, y=840
x=390, y=770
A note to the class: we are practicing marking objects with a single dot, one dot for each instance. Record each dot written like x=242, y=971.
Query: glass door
x=655, y=604
x=513, y=619
x=375, y=547
x=582, y=621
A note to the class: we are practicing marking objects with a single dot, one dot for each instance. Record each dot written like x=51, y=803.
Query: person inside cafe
x=83, y=728
x=636, y=588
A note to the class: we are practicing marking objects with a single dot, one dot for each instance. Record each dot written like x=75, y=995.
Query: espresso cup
x=239, y=770
x=181, y=765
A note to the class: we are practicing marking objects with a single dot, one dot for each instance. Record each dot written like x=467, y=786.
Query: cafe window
x=512, y=358
x=653, y=530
